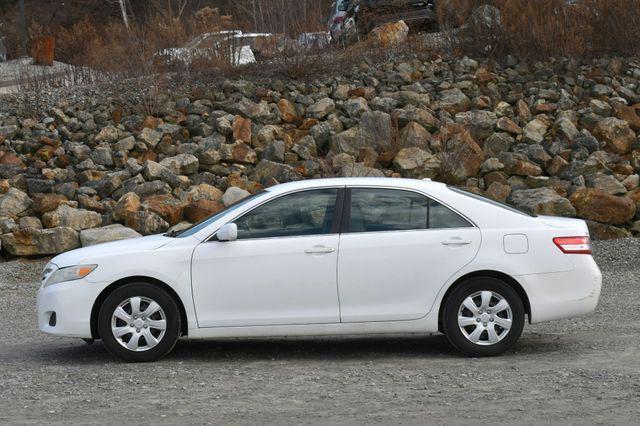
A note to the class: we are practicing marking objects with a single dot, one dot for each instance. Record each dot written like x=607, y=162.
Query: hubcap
x=138, y=324
x=485, y=318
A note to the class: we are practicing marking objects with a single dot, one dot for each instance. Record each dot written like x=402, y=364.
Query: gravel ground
x=572, y=371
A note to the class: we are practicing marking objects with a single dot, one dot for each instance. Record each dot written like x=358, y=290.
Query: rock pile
x=556, y=138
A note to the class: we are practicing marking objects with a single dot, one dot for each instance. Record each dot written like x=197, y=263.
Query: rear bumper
x=564, y=294
x=72, y=303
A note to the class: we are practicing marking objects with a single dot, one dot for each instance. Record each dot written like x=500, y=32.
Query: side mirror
x=228, y=232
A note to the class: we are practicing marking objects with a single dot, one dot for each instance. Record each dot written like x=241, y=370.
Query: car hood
x=123, y=247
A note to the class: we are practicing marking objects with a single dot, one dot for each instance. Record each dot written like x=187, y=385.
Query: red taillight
x=573, y=245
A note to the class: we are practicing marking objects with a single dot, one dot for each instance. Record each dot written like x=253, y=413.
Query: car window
x=442, y=217
x=378, y=210
x=299, y=214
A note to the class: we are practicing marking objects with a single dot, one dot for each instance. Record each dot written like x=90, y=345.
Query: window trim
x=335, y=226
x=346, y=217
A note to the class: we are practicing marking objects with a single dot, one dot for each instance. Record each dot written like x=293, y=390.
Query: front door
x=280, y=271
x=398, y=249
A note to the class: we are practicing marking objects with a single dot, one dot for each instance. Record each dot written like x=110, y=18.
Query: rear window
x=491, y=201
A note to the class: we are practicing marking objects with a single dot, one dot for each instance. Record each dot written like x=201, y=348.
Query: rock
x=507, y=125
x=534, y=131
x=306, y=148
x=600, y=231
x=146, y=223
x=462, y=159
x=105, y=234
x=150, y=137
x=242, y=129
x=129, y=202
x=30, y=222
x=40, y=242
x=102, y=156
x=542, y=201
x=565, y=127
x=126, y=144
x=182, y=164
x=274, y=152
x=616, y=133
x=454, y=101
x=359, y=170
x=153, y=170
x=14, y=203
x=259, y=112
x=498, y=191
x=108, y=134
x=497, y=143
x=43, y=203
x=416, y=163
x=356, y=107
x=597, y=205
x=238, y=152
x=389, y=34
x=321, y=109
x=204, y=192
x=414, y=135
x=234, y=194
x=519, y=164
x=199, y=210
x=165, y=206
x=606, y=183
x=375, y=130
x=266, y=170
x=288, y=111
x=491, y=165
x=69, y=217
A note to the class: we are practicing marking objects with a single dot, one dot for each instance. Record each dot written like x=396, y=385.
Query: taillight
x=573, y=245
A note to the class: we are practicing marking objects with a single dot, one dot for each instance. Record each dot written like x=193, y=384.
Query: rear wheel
x=483, y=317
x=139, y=322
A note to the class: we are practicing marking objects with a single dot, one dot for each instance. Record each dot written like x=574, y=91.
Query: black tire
x=171, y=316
x=452, y=308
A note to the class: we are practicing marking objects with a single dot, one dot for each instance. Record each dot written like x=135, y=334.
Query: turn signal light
x=573, y=245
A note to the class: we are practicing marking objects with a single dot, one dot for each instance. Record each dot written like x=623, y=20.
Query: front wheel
x=483, y=317
x=139, y=322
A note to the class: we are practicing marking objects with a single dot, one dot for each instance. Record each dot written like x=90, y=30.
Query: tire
x=132, y=336
x=483, y=331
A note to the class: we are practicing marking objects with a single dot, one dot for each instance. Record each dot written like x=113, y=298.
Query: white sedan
x=329, y=257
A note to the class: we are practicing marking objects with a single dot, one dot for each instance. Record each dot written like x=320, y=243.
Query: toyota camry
x=329, y=257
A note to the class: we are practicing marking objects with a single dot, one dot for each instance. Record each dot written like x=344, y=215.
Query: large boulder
x=542, y=201
x=40, y=242
x=389, y=34
x=14, y=203
x=165, y=206
x=597, y=205
x=129, y=202
x=616, y=133
x=66, y=216
x=182, y=164
x=146, y=223
x=375, y=130
x=321, y=109
x=233, y=194
x=462, y=159
x=416, y=163
x=105, y=234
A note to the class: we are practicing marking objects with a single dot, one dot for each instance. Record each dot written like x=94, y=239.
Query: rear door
x=398, y=248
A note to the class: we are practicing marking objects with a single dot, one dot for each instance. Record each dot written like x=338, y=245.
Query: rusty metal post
x=23, y=30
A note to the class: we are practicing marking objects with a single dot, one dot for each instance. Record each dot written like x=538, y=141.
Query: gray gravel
x=572, y=371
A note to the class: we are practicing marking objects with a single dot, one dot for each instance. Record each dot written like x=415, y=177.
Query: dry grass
x=549, y=28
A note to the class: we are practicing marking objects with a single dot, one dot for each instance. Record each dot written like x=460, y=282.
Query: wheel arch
x=95, y=310
x=507, y=279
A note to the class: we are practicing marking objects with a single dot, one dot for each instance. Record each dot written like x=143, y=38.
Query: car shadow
x=370, y=348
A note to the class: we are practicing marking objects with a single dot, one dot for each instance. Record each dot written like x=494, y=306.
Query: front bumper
x=72, y=303
x=561, y=295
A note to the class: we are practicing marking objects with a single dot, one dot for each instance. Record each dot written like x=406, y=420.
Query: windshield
x=211, y=219
x=491, y=201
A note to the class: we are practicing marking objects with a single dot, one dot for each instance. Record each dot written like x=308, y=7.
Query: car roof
x=356, y=181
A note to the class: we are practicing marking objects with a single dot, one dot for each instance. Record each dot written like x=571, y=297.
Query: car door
x=397, y=250
x=281, y=270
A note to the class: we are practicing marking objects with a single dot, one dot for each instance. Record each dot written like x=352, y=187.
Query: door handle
x=320, y=250
x=456, y=242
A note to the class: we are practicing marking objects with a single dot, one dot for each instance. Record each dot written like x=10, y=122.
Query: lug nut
x=478, y=319
x=137, y=330
x=131, y=325
x=491, y=319
x=489, y=311
x=485, y=324
x=146, y=326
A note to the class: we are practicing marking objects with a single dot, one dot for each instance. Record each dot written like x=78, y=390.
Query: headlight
x=70, y=273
